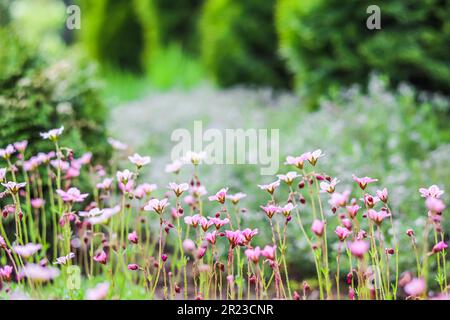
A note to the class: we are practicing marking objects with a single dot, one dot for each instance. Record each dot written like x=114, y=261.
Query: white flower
x=116, y=144
x=174, y=167
x=139, y=161
x=194, y=157
x=52, y=134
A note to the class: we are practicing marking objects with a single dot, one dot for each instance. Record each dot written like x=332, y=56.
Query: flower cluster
x=188, y=243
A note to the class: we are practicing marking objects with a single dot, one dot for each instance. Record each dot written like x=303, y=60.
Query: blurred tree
x=4, y=12
x=177, y=22
x=119, y=32
x=239, y=43
x=326, y=43
x=36, y=97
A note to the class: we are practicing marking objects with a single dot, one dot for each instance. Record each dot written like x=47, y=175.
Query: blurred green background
x=376, y=101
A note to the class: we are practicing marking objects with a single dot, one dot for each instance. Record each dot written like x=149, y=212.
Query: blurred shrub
x=119, y=32
x=326, y=43
x=239, y=43
x=177, y=22
x=36, y=97
x=4, y=12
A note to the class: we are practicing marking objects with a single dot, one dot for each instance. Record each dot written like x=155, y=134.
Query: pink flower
x=133, y=237
x=271, y=187
x=347, y=223
x=105, y=184
x=201, y=252
x=2, y=174
x=45, y=157
x=342, y=233
x=101, y=257
x=104, y=216
x=174, y=167
x=27, y=250
x=435, y=205
x=339, y=199
x=270, y=210
x=377, y=216
x=144, y=189
x=21, y=146
x=297, y=161
x=38, y=273
x=178, y=189
x=94, y=212
x=269, y=252
x=72, y=172
x=363, y=182
x=369, y=200
x=85, y=158
x=13, y=187
x=234, y=237
x=133, y=267
x=198, y=191
x=219, y=196
x=156, y=205
x=116, y=144
x=139, y=161
x=253, y=254
x=318, y=227
x=62, y=165
x=188, y=245
x=217, y=222
x=249, y=234
x=415, y=287
x=204, y=223
x=37, y=203
x=2, y=243
x=193, y=220
x=124, y=176
x=287, y=209
x=410, y=232
x=127, y=187
x=329, y=186
x=53, y=134
x=100, y=292
x=440, y=246
x=5, y=273
x=31, y=164
x=351, y=293
x=72, y=195
x=235, y=198
x=358, y=248
x=211, y=237
x=432, y=191
x=63, y=260
x=314, y=156
x=353, y=210
x=7, y=152
x=382, y=195
x=289, y=177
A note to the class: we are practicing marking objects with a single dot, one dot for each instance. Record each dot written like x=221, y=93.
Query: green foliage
x=326, y=43
x=36, y=97
x=172, y=68
x=239, y=43
x=177, y=22
x=4, y=12
x=119, y=32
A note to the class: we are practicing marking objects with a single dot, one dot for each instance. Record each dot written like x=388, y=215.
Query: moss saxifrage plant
x=48, y=227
